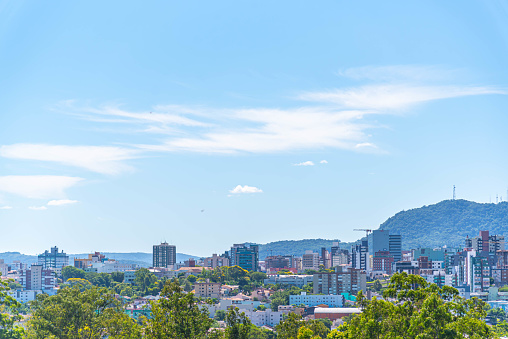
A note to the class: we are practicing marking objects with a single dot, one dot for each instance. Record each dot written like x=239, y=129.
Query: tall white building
x=37, y=278
x=310, y=261
x=310, y=300
x=4, y=268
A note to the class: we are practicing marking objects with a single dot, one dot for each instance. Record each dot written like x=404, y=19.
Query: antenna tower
x=453, y=192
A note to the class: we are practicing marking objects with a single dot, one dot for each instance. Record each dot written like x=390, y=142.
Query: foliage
x=414, y=309
x=118, y=276
x=377, y=286
x=9, y=314
x=14, y=285
x=74, y=313
x=496, y=315
x=238, y=325
x=281, y=297
x=290, y=326
x=220, y=315
x=261, y=333
x=72, y=272
x=176, y=315
x=447, y=222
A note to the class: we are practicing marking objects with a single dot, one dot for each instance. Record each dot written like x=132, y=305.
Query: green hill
x=447, y=223
x=295, y=247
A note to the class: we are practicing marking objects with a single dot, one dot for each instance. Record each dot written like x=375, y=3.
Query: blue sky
x=210, y=123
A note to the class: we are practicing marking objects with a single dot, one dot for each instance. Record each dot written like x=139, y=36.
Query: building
x=53, y=260
x=395, y=247
x=310, y=300
x=4, y=268
x=278, y=261
x=164, y=255
x=245, y=255
x=485, y=243
x=292, y=280
x=342, y=281
x=359, y=253
x=325, y=259
x=334, y=313
x=129, y=277
x=216, y=261
x=310, y=261
x=382, y=262
x=264, y=318
x=37, y=278
x=92, y=258
x=207, y=290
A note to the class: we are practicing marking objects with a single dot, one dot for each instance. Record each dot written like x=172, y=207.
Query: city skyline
x=214, y=124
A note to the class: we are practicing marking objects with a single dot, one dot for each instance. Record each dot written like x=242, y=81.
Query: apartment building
x=349, y=280
x=53, y=260
x=37, y=278
x=207, y=290
x=164, y=255
x=310, y=300
x=310, y=261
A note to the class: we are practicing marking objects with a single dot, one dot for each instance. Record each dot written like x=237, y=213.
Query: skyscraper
x=245, y=255
x=53, y=260
x=164, y=255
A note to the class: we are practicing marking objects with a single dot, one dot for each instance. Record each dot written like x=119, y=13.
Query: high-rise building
x=216, y=261
x=359, y=253
x=164, y=255
x=485, y=243
x=310, y=261
x=245, y=255
x=53, y=260
x=278, y=261
x=342, y=281
x=37, y=278
x=395, y=247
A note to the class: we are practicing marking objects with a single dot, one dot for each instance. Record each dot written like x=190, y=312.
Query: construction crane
x=366, y=230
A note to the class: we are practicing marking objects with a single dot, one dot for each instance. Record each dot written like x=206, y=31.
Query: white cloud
x=365, y=145
x=37, y=186
x=393, y=96
x=6, y=208
x=400, y=73
x=38, y=208
x=305, y=163
x=323, y=162
x=101, y=159
x=245, y=189
x=61, y=202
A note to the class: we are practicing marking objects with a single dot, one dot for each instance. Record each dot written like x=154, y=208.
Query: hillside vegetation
x=447, y=223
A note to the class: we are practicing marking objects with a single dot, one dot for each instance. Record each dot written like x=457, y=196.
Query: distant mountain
x=139, y=258
x=295, y=247
x=447, y=223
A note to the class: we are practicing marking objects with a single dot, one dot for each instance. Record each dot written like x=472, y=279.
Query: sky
x=204, y=124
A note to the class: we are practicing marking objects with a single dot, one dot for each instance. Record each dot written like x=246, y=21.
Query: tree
x=118, y=276
x=412, y=308
x=74, y=313
x=220, y=315
x=144, y=279
x=8, y=314
x=192, y=278
x=238, y=325
x=72, y=272
x=289, y=327
x=377, y=286
x=258, y=276
x=176, y=315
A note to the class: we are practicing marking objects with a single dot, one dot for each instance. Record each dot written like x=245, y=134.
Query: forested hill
x=295, y=247
x=447, y=223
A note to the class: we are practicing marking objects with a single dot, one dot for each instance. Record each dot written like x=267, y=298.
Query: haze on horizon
x=124, y=124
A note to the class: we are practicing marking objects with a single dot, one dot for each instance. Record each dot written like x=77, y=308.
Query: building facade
x=164, y=255
x=53, y=260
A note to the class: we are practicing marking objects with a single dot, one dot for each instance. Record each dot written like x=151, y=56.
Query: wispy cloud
x=6, y=208
x=393, y=96
x=245, y=189
x=61, y=202
x=100, y=159
x=38, y=208
x=37, y=186
x=336, y=118
x=323, y=162
x=305, y=163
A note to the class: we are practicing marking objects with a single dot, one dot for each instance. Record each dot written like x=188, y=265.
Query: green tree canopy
x=176, y=315
x=415, y=309
x=8, y=314
x=72, y=272
x=74, y=313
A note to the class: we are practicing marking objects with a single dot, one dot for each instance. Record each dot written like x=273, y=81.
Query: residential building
x=164, y=255
x=349, y=280
x=278, y=261
x=310, y=300
x=207, y=289
x=129, y=277
x=325, y=259
x=245, y=255
x=382, y=262
x=4, y=268
x=53, y=260
x=37, y=278
x=293, y=280
x=335, y=313
x=86, y=262
x=310, y=261
x=486, y=242
x=216, y=261
x=359, y=253
x=264, y=318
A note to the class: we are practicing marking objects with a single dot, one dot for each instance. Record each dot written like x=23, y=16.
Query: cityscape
x=253, y=169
